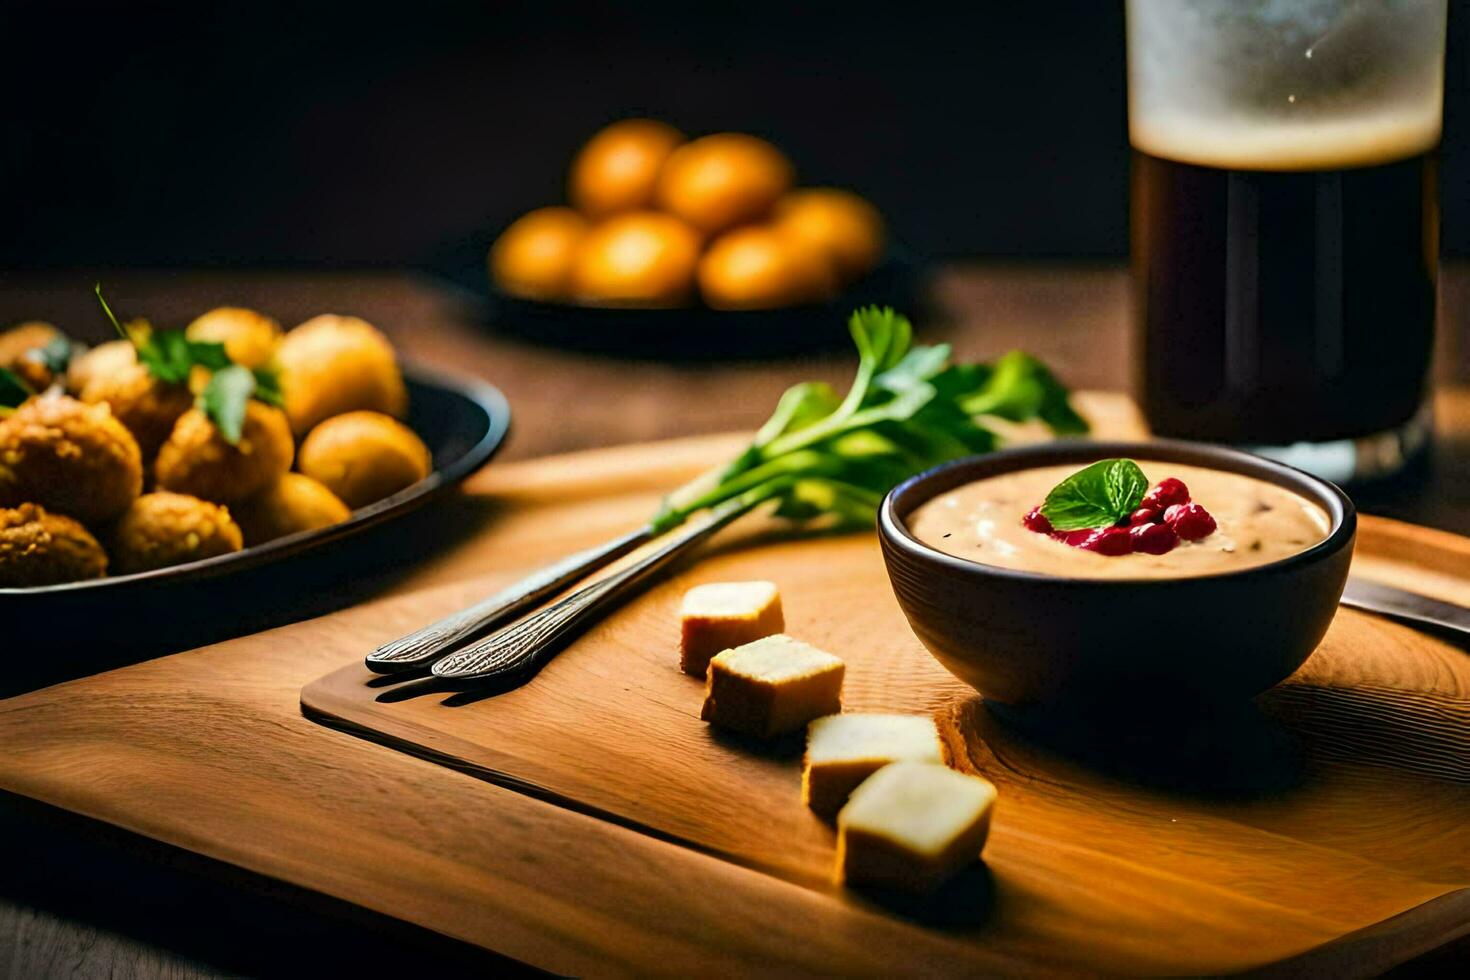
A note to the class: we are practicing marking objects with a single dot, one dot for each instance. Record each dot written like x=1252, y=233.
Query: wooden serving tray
x=208, y=750
x=1337, y=804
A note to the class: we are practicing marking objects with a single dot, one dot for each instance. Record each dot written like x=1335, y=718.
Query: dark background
x=273, y=134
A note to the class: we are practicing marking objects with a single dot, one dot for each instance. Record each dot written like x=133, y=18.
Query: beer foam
x=1322, y=143
x=1285, y=84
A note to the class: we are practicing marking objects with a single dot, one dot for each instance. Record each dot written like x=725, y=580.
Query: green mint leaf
x=268, y=387
x=223, y=400
x=1097, y=496
x=207, y=353
x=13, y=390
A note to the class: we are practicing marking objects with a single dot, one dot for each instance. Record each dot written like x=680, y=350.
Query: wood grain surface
x=207, y=751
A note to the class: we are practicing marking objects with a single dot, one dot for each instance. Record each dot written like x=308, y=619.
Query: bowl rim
x=1339, y=506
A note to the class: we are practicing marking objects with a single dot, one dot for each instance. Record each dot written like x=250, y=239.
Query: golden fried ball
x=640, y=259
x=759, y=268
x=364, y=456
x=162, y=529
x=719, y=181
x=250, y=338
x=335, y=364
x=293, y=503
x=198, y=461
x=112, y=357
x=618, y=167
x=837, y=223
x=16, y=352
x=533, y=257
x=37, y=548
x=70, y=458
x=146, y=406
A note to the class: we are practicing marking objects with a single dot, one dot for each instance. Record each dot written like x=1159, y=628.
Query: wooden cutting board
x=208, y=750
x=1341, y=801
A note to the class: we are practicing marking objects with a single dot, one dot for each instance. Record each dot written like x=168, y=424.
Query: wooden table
x=1073, y=316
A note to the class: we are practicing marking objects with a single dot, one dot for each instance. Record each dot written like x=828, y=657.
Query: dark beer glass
x=1285, y=224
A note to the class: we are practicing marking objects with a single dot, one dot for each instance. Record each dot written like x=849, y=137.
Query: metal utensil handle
x=520, y=650
x=423, y=646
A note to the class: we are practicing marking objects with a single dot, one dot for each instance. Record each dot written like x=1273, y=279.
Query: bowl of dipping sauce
x=1036, y=621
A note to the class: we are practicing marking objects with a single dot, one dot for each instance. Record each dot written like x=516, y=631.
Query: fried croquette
x=162, y=529
x=835, y=223
x=198, y=461
x=37, y=548
x=719, y=181
x=69, y=457
x=618, y=167
x=250, y=338
x=335, y=364
x=533, y=257
x=99, y=361
x=149, y=408
x=293, y=503
x=19, y=347
x=364, y=456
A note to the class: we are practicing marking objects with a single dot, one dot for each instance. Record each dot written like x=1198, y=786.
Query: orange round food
x=364, y=456
x=618, y=168
x=836, y=223
x=293, y=503
x=162, y=529
x=37, y=548
x=334, y=364
x=250, y=338
x=196, y=459
x=640, y=259
x=719, y=181
x=70, y=458
x=759, y=268
x=20, y=347
x=533, y=257
x=146, y=406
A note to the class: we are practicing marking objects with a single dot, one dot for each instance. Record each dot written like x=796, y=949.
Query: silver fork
x=518, y=651
x=424, y=646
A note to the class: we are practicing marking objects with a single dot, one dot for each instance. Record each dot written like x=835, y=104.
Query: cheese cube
x=844, y=750
x=725, y=615
x=911, y=825
x=772, y=686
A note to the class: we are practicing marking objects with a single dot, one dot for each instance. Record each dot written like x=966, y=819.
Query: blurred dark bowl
x=691, y=333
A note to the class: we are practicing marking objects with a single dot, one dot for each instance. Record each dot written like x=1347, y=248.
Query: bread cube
x=725, y=615
x=911, y=825
x=772, y=686
x=844, y=750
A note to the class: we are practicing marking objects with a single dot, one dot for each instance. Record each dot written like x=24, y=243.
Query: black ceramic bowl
x=1049, y=644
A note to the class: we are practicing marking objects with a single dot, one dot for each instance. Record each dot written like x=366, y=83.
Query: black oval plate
x=463, y=422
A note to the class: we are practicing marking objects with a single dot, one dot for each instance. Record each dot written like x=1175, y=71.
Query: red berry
x=1153, y=539
x=1165, y=494
x=1190, y=521
x=1110, y=541
x=1144, y=515
x=1074, y=538
x=1036, y=521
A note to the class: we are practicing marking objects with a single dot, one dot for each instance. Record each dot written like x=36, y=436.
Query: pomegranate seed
x=1153, y=539
x=1165, y=494
x=1076, y=539
x=1036, y=521
x=1110, y=541
x=1144, y=515
x=1190, y=521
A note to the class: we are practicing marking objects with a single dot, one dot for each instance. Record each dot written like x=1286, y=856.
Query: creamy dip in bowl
x=1259, y=523
x=1032, y=622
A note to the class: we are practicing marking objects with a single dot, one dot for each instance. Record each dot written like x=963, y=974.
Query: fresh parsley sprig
x=908, y=409
x=1099, y=495
x=171, y=357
